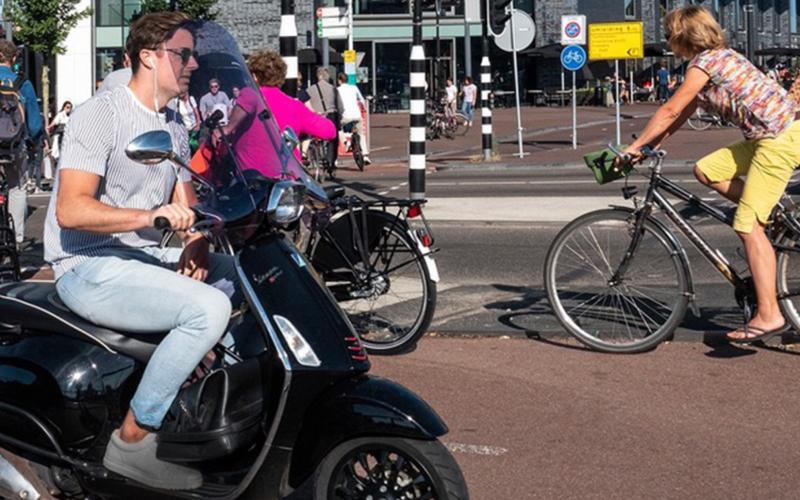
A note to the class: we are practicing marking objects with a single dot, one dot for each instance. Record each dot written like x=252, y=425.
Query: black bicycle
x=376, y=257
x=9, y=257
x=317, y=158
x=619, y=280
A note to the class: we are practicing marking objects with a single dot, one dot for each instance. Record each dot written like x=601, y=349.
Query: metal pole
x=288, y=46
x=486, y=87
x=416, y=144
x=351, y=77
x=574, y=115
x=516, y=80
x=749, y=12
x=616, y=83
x=467, y=49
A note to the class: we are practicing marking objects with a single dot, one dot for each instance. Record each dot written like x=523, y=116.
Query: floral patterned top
x=740, y=93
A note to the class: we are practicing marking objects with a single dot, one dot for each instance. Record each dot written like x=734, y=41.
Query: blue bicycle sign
x=573, y=57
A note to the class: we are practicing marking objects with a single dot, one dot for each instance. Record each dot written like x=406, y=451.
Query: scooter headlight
x=286, y=202
x=301, y=349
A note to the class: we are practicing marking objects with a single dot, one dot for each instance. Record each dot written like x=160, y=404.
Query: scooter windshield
x=232, y=130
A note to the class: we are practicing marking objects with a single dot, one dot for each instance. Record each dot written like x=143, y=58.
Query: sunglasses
x=185, y=54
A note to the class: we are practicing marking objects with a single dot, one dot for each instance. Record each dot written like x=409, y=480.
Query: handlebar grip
x=162, y=223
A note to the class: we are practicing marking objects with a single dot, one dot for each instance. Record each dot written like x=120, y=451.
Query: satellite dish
x=525, y=32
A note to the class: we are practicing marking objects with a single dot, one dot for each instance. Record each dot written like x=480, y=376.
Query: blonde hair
x=268, y=67
x=692, y=30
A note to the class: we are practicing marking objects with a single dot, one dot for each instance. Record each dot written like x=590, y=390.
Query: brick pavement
x=546, y=137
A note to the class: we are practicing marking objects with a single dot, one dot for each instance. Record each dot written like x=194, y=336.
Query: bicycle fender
x=676, y=245
x=427, y=255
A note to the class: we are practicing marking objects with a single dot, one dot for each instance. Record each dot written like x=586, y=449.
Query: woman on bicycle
x=722, y=81
x=248, y=135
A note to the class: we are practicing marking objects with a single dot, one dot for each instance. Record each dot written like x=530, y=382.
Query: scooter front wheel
x=381, y=467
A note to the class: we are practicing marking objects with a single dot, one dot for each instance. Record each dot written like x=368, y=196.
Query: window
x=107, y=61
x=630, y=9
x=115, y=12
x=380, y=7
x=793, y=12
x=762, y=16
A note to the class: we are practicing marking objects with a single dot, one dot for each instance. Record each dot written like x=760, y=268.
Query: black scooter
x=300, y=410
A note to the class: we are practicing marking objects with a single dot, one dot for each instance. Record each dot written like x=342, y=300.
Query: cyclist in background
x=352, y=100
x=721, y=80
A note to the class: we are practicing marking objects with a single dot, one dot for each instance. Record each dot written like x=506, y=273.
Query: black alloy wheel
x=383, y=468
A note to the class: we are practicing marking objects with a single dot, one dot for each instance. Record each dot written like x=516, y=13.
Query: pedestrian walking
x=664, y=80
x=19, y=105
x=470, y=93
x=57, y=127
x=451, y=97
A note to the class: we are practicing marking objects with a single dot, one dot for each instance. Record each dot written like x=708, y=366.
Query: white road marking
x=476, y=449
x=532, y=183
x=393, y=188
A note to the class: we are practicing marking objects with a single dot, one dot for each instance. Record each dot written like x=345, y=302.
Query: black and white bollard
x=416, y=146
x=288, y=46
x=486, y=88
x=486, y=109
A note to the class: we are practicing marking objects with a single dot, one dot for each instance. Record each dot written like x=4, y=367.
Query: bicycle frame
x=713, y=255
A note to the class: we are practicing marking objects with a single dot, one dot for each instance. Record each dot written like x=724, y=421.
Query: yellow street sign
x=349, y=56
x=616, y=41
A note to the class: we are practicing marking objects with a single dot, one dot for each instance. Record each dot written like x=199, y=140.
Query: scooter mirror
x=151, y=148
x=290, y=138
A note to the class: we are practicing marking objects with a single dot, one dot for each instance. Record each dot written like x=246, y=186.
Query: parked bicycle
x=619, y=279
x=443, y=122
x=701, y=120
x=376, y=257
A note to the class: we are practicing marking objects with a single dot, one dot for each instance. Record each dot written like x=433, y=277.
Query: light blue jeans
x=468, y=110
x=138, y=290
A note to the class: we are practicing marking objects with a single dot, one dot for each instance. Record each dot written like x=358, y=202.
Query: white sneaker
x=367, y=161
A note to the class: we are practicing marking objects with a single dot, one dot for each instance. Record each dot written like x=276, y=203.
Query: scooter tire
x=428, y=457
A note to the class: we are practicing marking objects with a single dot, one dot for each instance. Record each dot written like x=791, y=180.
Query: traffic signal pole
x=288, y=46
x=416, y=144
x=486, y=88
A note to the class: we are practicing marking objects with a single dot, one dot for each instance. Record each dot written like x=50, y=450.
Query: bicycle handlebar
x=647, y=152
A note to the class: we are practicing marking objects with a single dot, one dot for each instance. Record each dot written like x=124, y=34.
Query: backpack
x=12, y=115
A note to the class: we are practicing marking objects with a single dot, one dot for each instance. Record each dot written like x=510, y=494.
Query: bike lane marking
x=476, y=449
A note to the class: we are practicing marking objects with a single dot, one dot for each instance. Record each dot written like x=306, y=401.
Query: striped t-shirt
x=95, y=141
x=742, y=94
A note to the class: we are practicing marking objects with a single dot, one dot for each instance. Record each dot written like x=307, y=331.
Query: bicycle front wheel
x=389, y=297
x=699, y=120
x=636, y=311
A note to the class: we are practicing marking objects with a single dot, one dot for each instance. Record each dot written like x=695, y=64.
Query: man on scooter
x=100, y=240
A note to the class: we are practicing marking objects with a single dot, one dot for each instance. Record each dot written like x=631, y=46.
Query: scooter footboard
x=358, y=407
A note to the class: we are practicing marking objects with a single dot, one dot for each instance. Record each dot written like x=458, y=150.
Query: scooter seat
x=35, y=305
x=334, y=192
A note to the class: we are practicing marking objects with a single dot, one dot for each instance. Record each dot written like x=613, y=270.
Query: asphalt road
x=531, y=419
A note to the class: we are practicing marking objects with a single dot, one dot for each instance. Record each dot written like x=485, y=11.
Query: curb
x=522, y=167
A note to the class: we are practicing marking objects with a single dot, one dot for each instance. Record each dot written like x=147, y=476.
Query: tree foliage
x=197, y=9
x=43, y=25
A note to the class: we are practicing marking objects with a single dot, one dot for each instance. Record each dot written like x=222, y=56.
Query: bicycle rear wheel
x=788, y=284
x=315, y=162
x=390, y=298
x=358, y=155
x=700, y=120
x=641, y=309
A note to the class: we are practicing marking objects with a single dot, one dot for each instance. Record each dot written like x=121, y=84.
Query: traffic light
x=498, y=15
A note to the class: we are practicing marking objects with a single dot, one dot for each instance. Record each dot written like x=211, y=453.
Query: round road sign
x=573, y=57
x=572, y=29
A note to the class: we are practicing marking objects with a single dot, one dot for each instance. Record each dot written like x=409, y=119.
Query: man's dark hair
x=468, y=79
x=7, y=51
x=342, y=78
x=150, y=31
